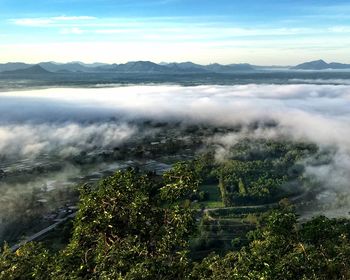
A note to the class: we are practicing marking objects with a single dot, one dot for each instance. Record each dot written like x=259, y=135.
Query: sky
x=283, y=32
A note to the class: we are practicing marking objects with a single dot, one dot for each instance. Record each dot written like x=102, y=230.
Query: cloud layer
x=319, y=113
x=70, y=117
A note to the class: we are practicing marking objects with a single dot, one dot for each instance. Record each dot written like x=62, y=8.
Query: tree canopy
x=136, y=226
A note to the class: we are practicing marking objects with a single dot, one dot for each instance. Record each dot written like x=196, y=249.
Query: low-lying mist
x=64, y=139
x=67, y=121
x=65, y=117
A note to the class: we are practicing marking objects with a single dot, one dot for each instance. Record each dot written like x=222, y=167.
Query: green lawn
x=214, y=200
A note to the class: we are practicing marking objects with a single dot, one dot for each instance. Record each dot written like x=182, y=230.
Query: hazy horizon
x=161, y=62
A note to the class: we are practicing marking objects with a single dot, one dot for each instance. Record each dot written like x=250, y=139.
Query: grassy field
x=214, y=199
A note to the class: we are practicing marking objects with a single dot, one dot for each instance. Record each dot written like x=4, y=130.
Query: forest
x=203, y=219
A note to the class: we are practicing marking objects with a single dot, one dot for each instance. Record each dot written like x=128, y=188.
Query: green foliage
x=259, y=169
x=224, y=192
x=319, y=249
x=31, y=261
x=241, y=188
x=131, y=227
x=204, y=166
x=180, y=182
x=137, y=226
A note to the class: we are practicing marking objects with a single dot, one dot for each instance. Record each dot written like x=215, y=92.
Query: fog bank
x=61, y=117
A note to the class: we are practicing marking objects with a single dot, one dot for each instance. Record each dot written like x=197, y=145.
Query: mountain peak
x=313, y=65
x=320, y=61
x=320, y=65
x=35, y=69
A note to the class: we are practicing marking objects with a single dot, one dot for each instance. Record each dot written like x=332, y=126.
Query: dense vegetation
x=138, y=226
x=133, y=226
x=260, y=171
x=203, y=219
x=282, y=249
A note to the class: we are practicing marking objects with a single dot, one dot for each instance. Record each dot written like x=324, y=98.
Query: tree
x=241, y=187
x=132, y=227
x=318, y=249
x=31, y=261
x=136, y=226
x=223, y=192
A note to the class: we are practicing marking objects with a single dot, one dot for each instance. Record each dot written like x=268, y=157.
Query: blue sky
x=280, y=32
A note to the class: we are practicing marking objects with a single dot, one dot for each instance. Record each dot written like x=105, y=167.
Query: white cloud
x=50, y=21
x=73, y=18
x=162, y=26
x=318, y=113
x=33, y=22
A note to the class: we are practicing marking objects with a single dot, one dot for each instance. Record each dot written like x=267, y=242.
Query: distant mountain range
x=35, y=69
x=151, y=67
x=321, y=65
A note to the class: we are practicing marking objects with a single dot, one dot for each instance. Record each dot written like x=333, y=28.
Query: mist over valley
x=54, y=139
